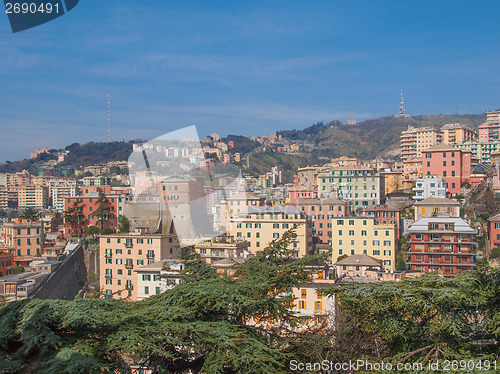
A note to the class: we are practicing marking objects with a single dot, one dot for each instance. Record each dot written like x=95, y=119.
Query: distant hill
x=367, y=140
x=79, y=155
x=374, y=138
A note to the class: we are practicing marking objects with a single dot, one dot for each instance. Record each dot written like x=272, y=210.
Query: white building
x=158, y=277
x=430, y=186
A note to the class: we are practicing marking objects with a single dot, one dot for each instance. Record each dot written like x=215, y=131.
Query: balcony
x=129, y=266
x=129, y=244
x=107, y=255
x=150, y=255
x=107, y=275
x=129, y=287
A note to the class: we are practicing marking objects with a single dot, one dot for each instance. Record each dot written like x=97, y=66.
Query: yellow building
x=32, y=196
x=456, y=133
x=414, y=140
x=361, y=235
x=261, y=225
x=393, y=181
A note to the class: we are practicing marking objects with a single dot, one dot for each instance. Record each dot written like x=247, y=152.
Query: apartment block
x=320, y=212
x=489, y=131
x=412, y=169
x=4, y=198
x=221, y=247
x=360, y=185
x=259, y=226
x=480, y=152
x=455, y=133
x=235, y=203
x=96, y=181
x=452, y=164
x=415, y=139
x=384, y=215
x=120, y=254
x=443, y=244
x=59, y=189
x=32, y=196
x=430, y=186
x=362, y=235
x=24, y=237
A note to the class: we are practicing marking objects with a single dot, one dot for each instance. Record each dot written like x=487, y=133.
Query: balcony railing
x=107, y=255
x=150, y=255
x=107, y=275
x=129, y=266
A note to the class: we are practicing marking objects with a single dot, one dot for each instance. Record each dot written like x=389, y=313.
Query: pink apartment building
x=452, y=164
x=489, y=131
x=321, y=212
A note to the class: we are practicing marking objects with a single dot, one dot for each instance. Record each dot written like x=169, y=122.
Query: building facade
x=452, y=164
x=120, y=254
x=259, y=226
x=362, y=235
x=443, y=244
x=455, y=133
x=415, y=139
x=430, y=186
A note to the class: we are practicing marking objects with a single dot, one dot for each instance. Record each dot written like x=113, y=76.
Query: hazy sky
x=241, y=67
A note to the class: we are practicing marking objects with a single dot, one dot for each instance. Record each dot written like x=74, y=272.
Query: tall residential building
x=452, y=164
x=320, y=212
x=442, y=244
x=120, y=254
x=32, y=196
x=259, y=226
x=360, y=185
x=430, y=186
x=362, y=235
x=455, y=133
x=415, y=139
x=59, y=189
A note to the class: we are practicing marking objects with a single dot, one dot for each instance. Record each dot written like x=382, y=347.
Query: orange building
x=6, y=261
x=120, y=254
x=85, y=216
x=24, y=237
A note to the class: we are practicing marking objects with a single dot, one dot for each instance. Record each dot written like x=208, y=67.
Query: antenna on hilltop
x=109, y=120
x=401, y=106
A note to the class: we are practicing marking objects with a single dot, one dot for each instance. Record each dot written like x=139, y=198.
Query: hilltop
x=373, y=138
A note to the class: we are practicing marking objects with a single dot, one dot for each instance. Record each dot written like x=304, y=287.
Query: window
x=376, y=243
x=340, y=222
x=146, y=290
x=376, y=252
x=387, y=243
x=351, y=232
x=387, y=253
x=351, y=222
x=340, y=232
x=303, y=293
x=444, y=173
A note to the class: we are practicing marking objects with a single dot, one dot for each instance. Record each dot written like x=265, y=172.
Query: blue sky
x=241, y=67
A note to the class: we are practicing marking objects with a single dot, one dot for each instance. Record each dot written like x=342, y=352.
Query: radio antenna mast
x=109, y=120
